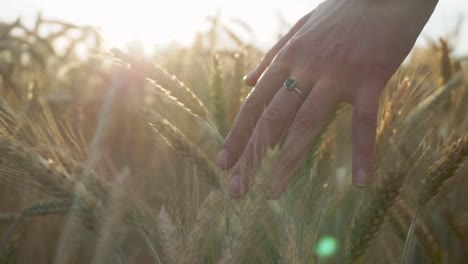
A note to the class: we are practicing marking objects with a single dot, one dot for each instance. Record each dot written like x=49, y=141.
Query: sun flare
x=165, y=22
x=151, y=22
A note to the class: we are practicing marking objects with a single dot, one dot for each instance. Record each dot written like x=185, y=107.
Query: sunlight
x=151, y=22
x=163, y=22
x=157, y=24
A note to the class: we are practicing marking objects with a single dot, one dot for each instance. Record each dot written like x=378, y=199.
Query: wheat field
x=107, y=156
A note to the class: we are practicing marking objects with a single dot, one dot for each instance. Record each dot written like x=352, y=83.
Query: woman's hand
x=344, y=51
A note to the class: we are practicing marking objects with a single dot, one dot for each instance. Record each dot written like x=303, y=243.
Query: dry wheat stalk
x=141, y=218
x=19, y=163
x=243, y=237
x=401, y=216
x=291, y=253
x=184, y=147
x=432, y=101
x=372, y=216
x=111, y=219
x=444, y=169
x=218, y=94
x=172, y=241
x=166, y=80
x=445, y=61
x=235, y=96
x=207, y=220
x=163, y=93
x=7, y=252
x=39, y=208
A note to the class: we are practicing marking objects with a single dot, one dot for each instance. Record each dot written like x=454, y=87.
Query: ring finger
x=249, y=114
x=268, y=132
x=322, y=101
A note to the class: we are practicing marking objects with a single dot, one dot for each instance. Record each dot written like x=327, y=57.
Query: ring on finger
x=290, y=84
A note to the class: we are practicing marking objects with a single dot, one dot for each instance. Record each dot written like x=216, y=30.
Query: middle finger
x=268, y=132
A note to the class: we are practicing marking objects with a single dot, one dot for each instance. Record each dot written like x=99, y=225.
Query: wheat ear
x=206, y=222
x=444, y=169
x=165, y=79
x=371, y=218
x=175, y=138
x=401, y=216
x=243, y=236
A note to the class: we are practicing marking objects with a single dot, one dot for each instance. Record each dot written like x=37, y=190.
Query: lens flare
x=326, y=246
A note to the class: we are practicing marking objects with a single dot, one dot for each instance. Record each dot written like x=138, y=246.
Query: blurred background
x=162, y=23
x=84, y=172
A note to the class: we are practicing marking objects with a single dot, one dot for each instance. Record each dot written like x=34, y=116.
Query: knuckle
x=377, y=69
x=290, y=49
x=278, y=67
x=295, y=42
x=253, y=102
x=304, y=120
x=380, y=69
x=273, y=117
x=269, y=55
x=366, y=120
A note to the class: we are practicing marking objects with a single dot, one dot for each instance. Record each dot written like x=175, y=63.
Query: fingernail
x=235, y=186
x=360, y=179
x=221, y=160
x=249, y=75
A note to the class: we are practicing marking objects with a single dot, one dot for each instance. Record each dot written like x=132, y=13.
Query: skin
x=343, y=51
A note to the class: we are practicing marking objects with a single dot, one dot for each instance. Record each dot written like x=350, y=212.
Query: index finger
x=249, y=114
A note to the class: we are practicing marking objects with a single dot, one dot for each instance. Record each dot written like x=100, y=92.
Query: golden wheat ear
x=165, y=79
x=171, y=237
x=401, y=216
x=444, y=170
x=370, y=219
x=182, y=145
x=205, y=226
x=243, y=237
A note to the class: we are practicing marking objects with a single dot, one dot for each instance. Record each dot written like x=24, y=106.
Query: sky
x=161, y=22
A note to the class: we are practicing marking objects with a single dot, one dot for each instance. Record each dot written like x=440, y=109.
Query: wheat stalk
x=432, y=101
x=445, y=61
x=401, y=216
x=444, y=169
x=184, y=147
x=165, y=79
x=439, y=174
x=371, y=218
x=217, y=94
x=243, y=236
x=205, y=226
x=141, y=218
x=18, y=162
x=172, y=241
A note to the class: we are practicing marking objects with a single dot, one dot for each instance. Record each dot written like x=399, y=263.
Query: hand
x=344, y=51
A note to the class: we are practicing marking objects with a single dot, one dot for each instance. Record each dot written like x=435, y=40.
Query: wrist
x=415, y=10
x=399, y=4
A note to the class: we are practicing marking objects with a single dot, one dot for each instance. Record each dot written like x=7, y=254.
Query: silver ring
x=290, y=84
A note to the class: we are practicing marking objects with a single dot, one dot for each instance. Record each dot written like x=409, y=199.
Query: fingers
x=252, y=77
x=307, y=124
x=249, y=114
x=267, y=134
x=365, y=116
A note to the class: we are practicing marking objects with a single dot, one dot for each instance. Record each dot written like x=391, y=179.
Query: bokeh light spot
x=326, y=246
